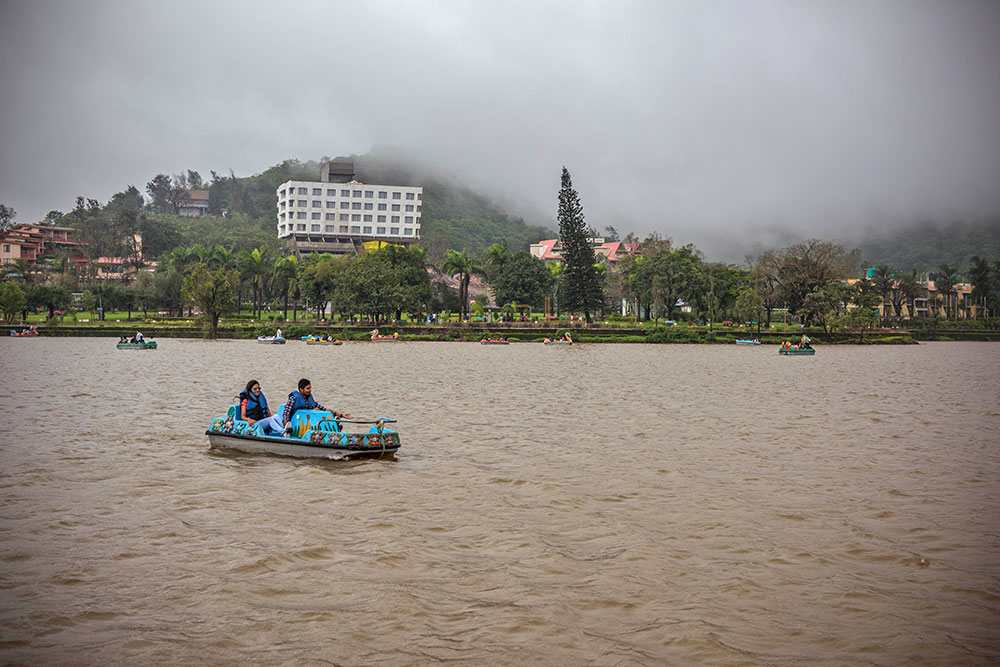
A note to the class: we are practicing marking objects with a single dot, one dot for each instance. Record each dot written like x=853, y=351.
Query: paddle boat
x=384, y=339
x=24, y=333
x=314, y=434
x=494, y=341
x=321, y=340
x=565, y=340
x=747, y=341
x=271, y=340
x=142, y=345
x=803, y=348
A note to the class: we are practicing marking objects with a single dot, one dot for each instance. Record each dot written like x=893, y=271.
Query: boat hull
x=296, y=448
x=797, y=353
x=137, y=346
x=324, y=342
x=494, y=342
x=558, y=342
x=271, y=341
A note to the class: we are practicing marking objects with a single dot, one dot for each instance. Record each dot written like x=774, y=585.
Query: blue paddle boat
x=567, y=339
x=802, y=349
x=314, y=434
x=143, y=345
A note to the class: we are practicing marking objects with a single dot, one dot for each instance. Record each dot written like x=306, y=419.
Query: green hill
x=926, y=246
x=453, y=216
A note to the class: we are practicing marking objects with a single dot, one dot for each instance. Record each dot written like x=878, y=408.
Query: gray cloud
x=698, y=120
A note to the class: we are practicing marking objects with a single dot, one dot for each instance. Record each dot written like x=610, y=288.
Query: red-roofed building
x=609, y=252
x=29, y=242
x=33, y=242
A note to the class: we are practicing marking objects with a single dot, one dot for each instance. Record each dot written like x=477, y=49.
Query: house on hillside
x=194, y=204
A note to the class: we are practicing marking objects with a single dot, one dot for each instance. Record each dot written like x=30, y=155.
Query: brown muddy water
x=594, y=504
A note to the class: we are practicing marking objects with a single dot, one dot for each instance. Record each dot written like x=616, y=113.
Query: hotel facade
x=339, y=213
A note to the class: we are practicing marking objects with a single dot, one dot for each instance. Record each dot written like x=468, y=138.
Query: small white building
x=339, y=213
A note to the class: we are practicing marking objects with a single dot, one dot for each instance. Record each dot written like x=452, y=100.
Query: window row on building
x=352, y=217
x=356, y=206
x=284, y=192
x=350, y=229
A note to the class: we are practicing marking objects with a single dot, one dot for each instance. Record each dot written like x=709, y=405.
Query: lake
x=599, y=504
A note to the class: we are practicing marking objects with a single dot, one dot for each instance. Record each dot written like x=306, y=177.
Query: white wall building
x=326, y=217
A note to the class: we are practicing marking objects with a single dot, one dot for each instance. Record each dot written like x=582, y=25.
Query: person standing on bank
x=303, y=400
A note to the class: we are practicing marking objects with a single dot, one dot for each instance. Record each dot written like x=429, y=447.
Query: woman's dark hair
x=250, y=384
x=304, y=383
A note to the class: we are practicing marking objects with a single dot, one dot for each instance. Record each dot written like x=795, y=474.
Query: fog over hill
x=731, y=121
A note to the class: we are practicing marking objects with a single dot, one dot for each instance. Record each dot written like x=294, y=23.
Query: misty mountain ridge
x=456, y=216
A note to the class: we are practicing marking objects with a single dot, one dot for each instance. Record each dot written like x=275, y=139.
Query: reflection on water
x=613, y=504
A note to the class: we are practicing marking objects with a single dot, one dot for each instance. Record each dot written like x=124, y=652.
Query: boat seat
x=306, y=420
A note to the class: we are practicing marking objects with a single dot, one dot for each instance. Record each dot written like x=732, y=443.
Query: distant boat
x=144, y=345
x=802, y=349
x=565, y=340
x=321, y=340
x=270, y=340
x=24, y=333
x=494, y=341
x=747, y=341
x=376, y=338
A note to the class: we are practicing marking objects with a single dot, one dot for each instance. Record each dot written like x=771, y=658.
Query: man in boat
x=138, y=337
x=279, y=334
x=302, y=400
x=804, y=343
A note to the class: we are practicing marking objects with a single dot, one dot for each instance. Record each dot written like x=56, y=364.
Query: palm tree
x=909, y=289
x=252, y=266
x=981, y=278
x=286, y=274
x=945, y=284
x=884, y=281
x=497, y=256
x=460, y=264
x=220, y=258
x=21, y=266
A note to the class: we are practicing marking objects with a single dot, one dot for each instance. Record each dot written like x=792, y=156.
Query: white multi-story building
x=330, y=216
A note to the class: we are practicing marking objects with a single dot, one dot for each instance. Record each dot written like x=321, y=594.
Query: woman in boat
x=253, y=408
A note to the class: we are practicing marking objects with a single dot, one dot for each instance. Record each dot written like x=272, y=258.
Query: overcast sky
x=698, y=119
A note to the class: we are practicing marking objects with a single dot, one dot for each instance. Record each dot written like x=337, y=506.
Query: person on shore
x=302, y=399
x=253, y=408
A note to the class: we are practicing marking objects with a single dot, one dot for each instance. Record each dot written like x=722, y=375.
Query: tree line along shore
x=816, y=283
x=528, y=332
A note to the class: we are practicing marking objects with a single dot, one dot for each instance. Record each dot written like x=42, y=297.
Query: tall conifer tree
x=582, y=287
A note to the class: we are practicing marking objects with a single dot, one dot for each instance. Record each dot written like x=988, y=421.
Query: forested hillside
x=924, y=247
x=452, y=217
